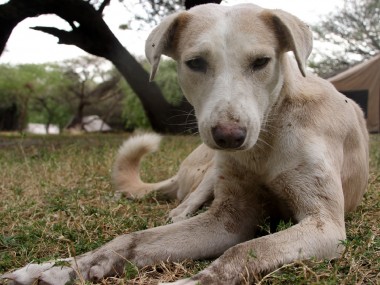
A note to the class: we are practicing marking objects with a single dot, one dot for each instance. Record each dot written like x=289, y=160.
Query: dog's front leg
x=202, y=194
x=207, y=235
x=242, y=262
x=317, y=204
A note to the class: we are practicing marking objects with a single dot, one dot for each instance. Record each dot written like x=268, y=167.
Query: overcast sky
x=29, y=46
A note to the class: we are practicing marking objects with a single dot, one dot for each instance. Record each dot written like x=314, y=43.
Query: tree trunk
x=94, y=36
x=77, y=121
x=162, y=116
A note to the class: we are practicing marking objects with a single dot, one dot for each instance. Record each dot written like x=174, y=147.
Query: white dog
x=280, y=143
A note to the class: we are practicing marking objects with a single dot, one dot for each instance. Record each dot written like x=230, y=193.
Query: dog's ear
x=164, y=40
x=293, y=34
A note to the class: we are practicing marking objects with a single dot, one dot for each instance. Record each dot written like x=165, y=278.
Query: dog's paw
x=177, y=218
x=181, y=213
x=49, y=273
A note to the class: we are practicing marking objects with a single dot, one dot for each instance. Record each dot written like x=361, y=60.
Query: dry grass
x=56, y=200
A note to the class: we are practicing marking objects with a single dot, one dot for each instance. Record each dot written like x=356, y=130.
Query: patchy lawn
x=57, y=200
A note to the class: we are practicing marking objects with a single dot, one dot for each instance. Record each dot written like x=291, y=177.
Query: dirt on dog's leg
x=319, y=231
x=239, y=263
x=204, y=236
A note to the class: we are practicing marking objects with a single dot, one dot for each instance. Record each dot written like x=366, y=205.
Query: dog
x=281, y=143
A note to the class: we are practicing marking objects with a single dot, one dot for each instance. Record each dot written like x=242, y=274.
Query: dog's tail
x=126, y=169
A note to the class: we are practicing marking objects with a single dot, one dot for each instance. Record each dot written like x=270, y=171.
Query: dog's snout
x=229, y=135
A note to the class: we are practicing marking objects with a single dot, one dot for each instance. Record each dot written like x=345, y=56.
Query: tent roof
x=364, y=76
x=372, y=64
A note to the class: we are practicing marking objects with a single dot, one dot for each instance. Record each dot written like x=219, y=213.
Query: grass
x=57, y=200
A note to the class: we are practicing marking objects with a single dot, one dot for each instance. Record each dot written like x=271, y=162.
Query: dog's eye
x=197, y=64
x=259, y=63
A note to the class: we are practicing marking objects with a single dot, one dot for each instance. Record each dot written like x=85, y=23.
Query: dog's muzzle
x=229, y=135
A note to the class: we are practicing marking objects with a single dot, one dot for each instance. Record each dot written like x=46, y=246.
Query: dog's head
x=230, y=65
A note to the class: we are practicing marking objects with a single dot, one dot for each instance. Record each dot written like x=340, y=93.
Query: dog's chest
x=251, y=163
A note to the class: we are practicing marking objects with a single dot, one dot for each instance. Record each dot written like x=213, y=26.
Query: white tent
x=40, y=129
x=95, y=124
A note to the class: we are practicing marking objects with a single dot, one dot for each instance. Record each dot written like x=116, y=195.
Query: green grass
x=57, y=200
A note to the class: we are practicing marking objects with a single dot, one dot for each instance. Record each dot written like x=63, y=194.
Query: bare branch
x=103, y=5
x=63, y=36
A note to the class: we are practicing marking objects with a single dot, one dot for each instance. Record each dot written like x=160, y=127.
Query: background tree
x=90, y=33
x=34, y=90
x=48, y=105
x=60, y=94
x=90, y=83
x=153, y=11
x=353, y=33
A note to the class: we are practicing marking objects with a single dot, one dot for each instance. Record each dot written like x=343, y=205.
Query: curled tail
x=126, y=169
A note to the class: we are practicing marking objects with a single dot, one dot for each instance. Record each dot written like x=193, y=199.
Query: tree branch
x=103, y=88
x=64, y=37
x=103, y=5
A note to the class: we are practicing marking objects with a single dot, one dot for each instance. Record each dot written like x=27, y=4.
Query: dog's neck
x=293, y=79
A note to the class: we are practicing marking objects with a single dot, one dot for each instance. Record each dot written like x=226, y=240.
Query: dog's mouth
x=242, y=148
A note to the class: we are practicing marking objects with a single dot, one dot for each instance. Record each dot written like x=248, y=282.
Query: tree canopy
x=37, y=90
x=353, y=32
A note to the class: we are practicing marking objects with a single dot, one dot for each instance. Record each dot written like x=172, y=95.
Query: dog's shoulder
x=314, y=103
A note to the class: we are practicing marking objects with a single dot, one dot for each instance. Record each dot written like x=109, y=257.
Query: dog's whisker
x=264, y=142
x=182, y=124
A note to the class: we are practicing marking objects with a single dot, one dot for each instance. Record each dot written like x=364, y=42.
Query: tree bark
x=94, y=36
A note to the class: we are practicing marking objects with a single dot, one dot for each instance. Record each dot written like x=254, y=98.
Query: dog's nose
x=229, y=135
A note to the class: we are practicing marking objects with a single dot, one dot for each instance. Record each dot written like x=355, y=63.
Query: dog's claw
x=46, y=273
x=27, y=274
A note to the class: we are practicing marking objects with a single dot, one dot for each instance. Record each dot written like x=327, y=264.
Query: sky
x=28, y=46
